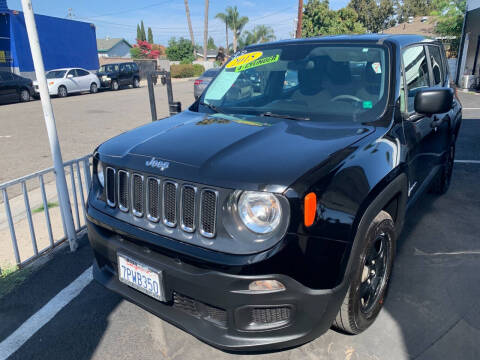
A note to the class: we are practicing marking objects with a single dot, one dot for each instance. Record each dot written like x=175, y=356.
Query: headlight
x=105, y=78
x=260, y=211
x=100, y=175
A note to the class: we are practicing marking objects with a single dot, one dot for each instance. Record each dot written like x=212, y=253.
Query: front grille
x=153, y=199
x=170, y=204
x=123, y=190
x=270, y=315
x=137, y=195
x=208, y=213
x=199, y=309
x=110, y=186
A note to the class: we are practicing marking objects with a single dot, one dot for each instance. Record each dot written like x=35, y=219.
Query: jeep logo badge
x=154, y=163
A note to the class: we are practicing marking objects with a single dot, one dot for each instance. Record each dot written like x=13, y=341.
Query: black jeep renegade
x=270, y=209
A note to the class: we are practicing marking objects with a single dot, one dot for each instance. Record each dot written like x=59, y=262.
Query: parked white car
x=62, y=82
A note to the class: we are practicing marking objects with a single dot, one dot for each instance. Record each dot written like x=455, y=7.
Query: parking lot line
x=44, y=315
x=468, y=161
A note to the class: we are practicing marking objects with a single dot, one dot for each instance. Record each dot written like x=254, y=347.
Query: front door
x=8, y=88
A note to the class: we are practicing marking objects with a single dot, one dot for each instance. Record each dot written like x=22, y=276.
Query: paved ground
x=83, y=122
x=431, y=312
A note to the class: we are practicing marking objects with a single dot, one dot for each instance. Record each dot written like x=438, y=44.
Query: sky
x=119, y=18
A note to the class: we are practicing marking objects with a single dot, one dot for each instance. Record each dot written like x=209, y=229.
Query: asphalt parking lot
x=83, y=122
x=431, y=312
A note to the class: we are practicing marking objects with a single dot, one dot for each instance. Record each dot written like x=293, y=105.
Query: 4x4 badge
x=154, y=163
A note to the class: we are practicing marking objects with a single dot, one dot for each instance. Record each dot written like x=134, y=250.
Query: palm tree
x=187, y=11
x=226, y=20
x=263, y=33
x=236, y=24
x=205, y=32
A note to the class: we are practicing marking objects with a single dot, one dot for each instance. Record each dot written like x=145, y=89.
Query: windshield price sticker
x=258, y=62
x=244, y=59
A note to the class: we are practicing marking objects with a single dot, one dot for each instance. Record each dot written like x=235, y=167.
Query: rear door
x=83, y=79
x=123, y=78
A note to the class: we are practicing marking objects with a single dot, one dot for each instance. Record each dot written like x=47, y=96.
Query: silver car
x=201, y=83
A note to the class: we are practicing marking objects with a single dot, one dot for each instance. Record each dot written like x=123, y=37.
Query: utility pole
x=190, y=29
x=300, y=18
x=62, y=188
x=205, y=32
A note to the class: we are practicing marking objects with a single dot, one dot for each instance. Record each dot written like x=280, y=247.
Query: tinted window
x=72, y=72
x=128, y=67
x=416, y=72
x=134, y=67
x=291, y=79
x=56, y=74
x=81, y=72
x=437, y=65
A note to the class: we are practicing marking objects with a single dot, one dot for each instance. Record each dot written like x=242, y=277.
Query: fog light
x=266, y=285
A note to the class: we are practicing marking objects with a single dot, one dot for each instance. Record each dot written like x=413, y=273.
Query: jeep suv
x=113, y=76
x=270, y=209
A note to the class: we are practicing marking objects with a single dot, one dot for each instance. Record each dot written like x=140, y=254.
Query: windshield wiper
x=211, y=107
x=284, y=116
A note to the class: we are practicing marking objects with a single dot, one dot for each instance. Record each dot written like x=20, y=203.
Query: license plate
x=141, y=277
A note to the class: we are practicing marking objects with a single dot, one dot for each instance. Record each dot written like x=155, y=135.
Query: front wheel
x=24, y=95
x=369, y=282
x=114, y=85
x=136, y=83
x=93, y=88
x=62, y=91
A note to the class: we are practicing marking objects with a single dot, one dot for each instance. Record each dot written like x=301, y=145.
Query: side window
x=291, y=79
x=438, y=70
x=134, y=67
x=72, y=72
x=416, y=72
x=128, y=67
x=81, y=72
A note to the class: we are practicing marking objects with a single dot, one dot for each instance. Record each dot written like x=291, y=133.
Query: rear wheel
x=369, y=282
x=114, y=85
x=136, y=83
x=442, y=181
x=62, y=91
x=93, y=88
x=24, y=95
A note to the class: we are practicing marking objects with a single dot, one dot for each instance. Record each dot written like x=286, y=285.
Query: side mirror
x=69, y=76
x=431, y=101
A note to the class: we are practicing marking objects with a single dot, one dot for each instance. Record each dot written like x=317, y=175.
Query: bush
x=186, y=70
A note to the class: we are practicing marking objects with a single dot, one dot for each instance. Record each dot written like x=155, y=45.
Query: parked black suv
x=270, y=210
x=113, y=76
x=14, y=87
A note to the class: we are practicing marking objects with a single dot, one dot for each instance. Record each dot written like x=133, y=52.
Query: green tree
x=150, y=35
x=136, y=53
x=142, y=32
x=319, y=19
x=139, y=33
x=180, y=50
x=259, y=34
x=211, y=44
x=450, y=16
x=406, y=8
x=375, y=15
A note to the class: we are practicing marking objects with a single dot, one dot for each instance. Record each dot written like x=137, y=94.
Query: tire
x=136, y=83
x=441, y=183
x=114, y=86
x=369, y=282
x=93, y=88
x=24, y=95
x=62, y=91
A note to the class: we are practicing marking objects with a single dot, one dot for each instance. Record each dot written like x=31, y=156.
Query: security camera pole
x=50, y=124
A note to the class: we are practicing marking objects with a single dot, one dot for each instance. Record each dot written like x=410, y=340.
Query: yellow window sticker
x=3, y=59
x=258, y=62
x=244, y=59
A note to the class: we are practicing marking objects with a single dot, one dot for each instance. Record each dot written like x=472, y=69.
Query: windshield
x=108, y=68
x=56, y=74
x=309, y=81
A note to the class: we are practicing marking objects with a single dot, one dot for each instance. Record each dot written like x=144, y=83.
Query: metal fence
x=18, y=210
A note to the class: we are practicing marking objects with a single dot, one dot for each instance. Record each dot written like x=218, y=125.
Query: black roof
x=400, y=40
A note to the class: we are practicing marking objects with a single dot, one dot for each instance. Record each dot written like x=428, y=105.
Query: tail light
x=198, y=82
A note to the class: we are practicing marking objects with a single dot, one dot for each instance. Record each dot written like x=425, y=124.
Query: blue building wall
x=5, y=54
x=64, y=43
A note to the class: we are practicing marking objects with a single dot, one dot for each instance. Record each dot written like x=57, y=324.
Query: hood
x=238, y=152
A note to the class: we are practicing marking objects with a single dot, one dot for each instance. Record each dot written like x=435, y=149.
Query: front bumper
x=214, y=306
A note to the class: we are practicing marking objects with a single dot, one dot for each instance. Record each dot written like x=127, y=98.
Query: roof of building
x=210, y=53
x=421, y=25
x=105, y=45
